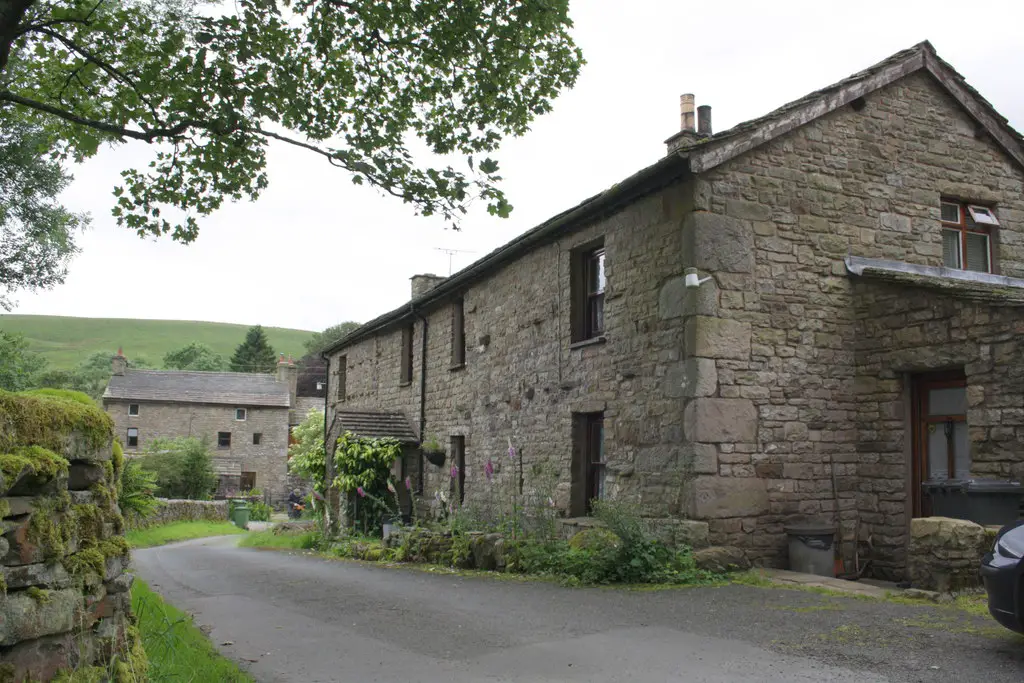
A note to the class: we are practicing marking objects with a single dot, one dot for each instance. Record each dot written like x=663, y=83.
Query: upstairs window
x=967, y=237
x=405, y=376
x=240, y=414
x=342, y=377
x=223, y=439
x=588, y=285
x=133, y=410
x=458, y=334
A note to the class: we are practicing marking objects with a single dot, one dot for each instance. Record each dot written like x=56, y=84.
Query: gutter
x=667, y=168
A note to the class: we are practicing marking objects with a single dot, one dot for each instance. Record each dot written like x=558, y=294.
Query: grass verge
x=179, y=531
x=268, y=539
x=176, y=648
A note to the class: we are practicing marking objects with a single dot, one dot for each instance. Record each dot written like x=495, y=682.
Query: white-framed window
x=966, y=236
x=133, y=410
x=240, y=414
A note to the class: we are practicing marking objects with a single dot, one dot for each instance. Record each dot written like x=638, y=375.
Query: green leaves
x=352, y=82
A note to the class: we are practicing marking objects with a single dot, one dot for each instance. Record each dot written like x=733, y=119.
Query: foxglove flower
x=361, y=492
x=455, y=471
x=408, y=484
x=511, y=449
x=391, y=487
x=489, y=469
x=551, y=503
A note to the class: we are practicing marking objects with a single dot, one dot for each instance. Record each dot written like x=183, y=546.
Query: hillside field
x=66, y=341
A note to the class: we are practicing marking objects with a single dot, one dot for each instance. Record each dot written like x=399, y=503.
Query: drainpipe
x=423, y=396
x=328, y=453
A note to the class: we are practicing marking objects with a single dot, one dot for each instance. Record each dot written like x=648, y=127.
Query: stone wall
x=806, y=415
x=523, y=378
x=172, y=510
x=64, y=593
x=268, y=459
x=945, y=554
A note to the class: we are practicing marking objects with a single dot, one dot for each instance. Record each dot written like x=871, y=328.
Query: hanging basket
x=434, y=457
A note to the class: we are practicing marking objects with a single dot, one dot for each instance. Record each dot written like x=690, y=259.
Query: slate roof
x=232, y=388
x=376, y=425
x=706, y=154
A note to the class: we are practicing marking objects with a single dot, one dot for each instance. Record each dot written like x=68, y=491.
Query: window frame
x=588, y=288
x=257, y=438
x=594, y=458
x=458, y=334
x=405, y=369
x=243, y=478
x=244, y=412
x=341, y=392
x=457, y=446
x=223, y=443
x=132, y=440
x=137, y=409
x=963, y=228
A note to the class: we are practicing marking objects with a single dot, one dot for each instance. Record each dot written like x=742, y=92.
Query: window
x=133, y=437
x=458, y=334
x=257, y=437
x=406, y=371
x=133, y=409
x=223, y=439
x=240, y=414
x=342, y=377
x=319, y=386
x=588, y=285
x=966, y=236
x=588, y=462
x=458, y=451
x=247, y=482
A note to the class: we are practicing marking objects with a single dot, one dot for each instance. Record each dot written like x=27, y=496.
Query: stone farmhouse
x=246, y=418
x=854, y=326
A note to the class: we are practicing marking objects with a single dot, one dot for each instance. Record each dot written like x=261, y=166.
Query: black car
x=1003, y=572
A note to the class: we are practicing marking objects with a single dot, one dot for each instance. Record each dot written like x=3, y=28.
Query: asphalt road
x=290, y=617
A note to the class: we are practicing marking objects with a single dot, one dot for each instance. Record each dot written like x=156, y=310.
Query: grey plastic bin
x=811, y=548
x=982, y=501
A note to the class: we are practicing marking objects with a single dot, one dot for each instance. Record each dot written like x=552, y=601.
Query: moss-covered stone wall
x=64, y=591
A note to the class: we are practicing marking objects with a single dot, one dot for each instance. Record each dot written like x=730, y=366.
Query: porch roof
x=376, y=425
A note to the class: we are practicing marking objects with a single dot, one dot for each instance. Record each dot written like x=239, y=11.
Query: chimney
x=690, y=134
x=288, y=374
x=421, y=284
x=119, y=363
x=686, y=112
x=704, y=120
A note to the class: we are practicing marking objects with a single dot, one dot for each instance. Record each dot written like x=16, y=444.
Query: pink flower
x=391, y=487
x=511, y=451
x=455, y=471
x=489, y=469
x=408, y=484
x=361, y=492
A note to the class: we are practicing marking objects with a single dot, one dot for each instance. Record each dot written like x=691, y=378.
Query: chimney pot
x=686, y=112
x=704, y=120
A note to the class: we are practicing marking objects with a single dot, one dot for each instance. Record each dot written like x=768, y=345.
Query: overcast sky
x=316, y=250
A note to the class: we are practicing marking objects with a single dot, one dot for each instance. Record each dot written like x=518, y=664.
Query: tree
x=91, y=376
x=254, y=354
x=183, y=467
x=194, y=356
x=306, y=456
x=19, y=366
x=352, y=81
x=36, y=232
x=321, y=340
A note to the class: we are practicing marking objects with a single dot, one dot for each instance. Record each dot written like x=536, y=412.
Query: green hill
x=66, y=341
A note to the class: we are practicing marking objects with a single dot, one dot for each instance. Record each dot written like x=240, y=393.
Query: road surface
x=293, y=617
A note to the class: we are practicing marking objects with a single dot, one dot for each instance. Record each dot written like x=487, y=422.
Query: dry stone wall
x=64, y=594
x=174, y=510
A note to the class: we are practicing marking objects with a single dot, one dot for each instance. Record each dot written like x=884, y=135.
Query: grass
x=176, y=648
x=268, y=539
x=179, y=531
x=66, y=341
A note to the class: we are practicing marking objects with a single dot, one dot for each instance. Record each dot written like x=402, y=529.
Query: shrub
x=260, y=512
x=183, y=468
x=137, y=491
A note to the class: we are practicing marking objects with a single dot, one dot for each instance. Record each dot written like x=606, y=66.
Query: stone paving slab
x=785, y=577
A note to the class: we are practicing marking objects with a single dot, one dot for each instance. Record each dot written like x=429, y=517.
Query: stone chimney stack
x=686, y=113
x=288, y=374
x=421, y=284
x=691, y=130
x=704, y=120
x=119, y=363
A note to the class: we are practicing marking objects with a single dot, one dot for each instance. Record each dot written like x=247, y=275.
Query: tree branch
x=11, y=14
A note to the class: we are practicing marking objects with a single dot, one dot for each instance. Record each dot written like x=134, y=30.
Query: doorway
x=941, y=446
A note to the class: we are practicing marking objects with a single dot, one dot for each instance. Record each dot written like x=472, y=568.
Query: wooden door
x=941, y=446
